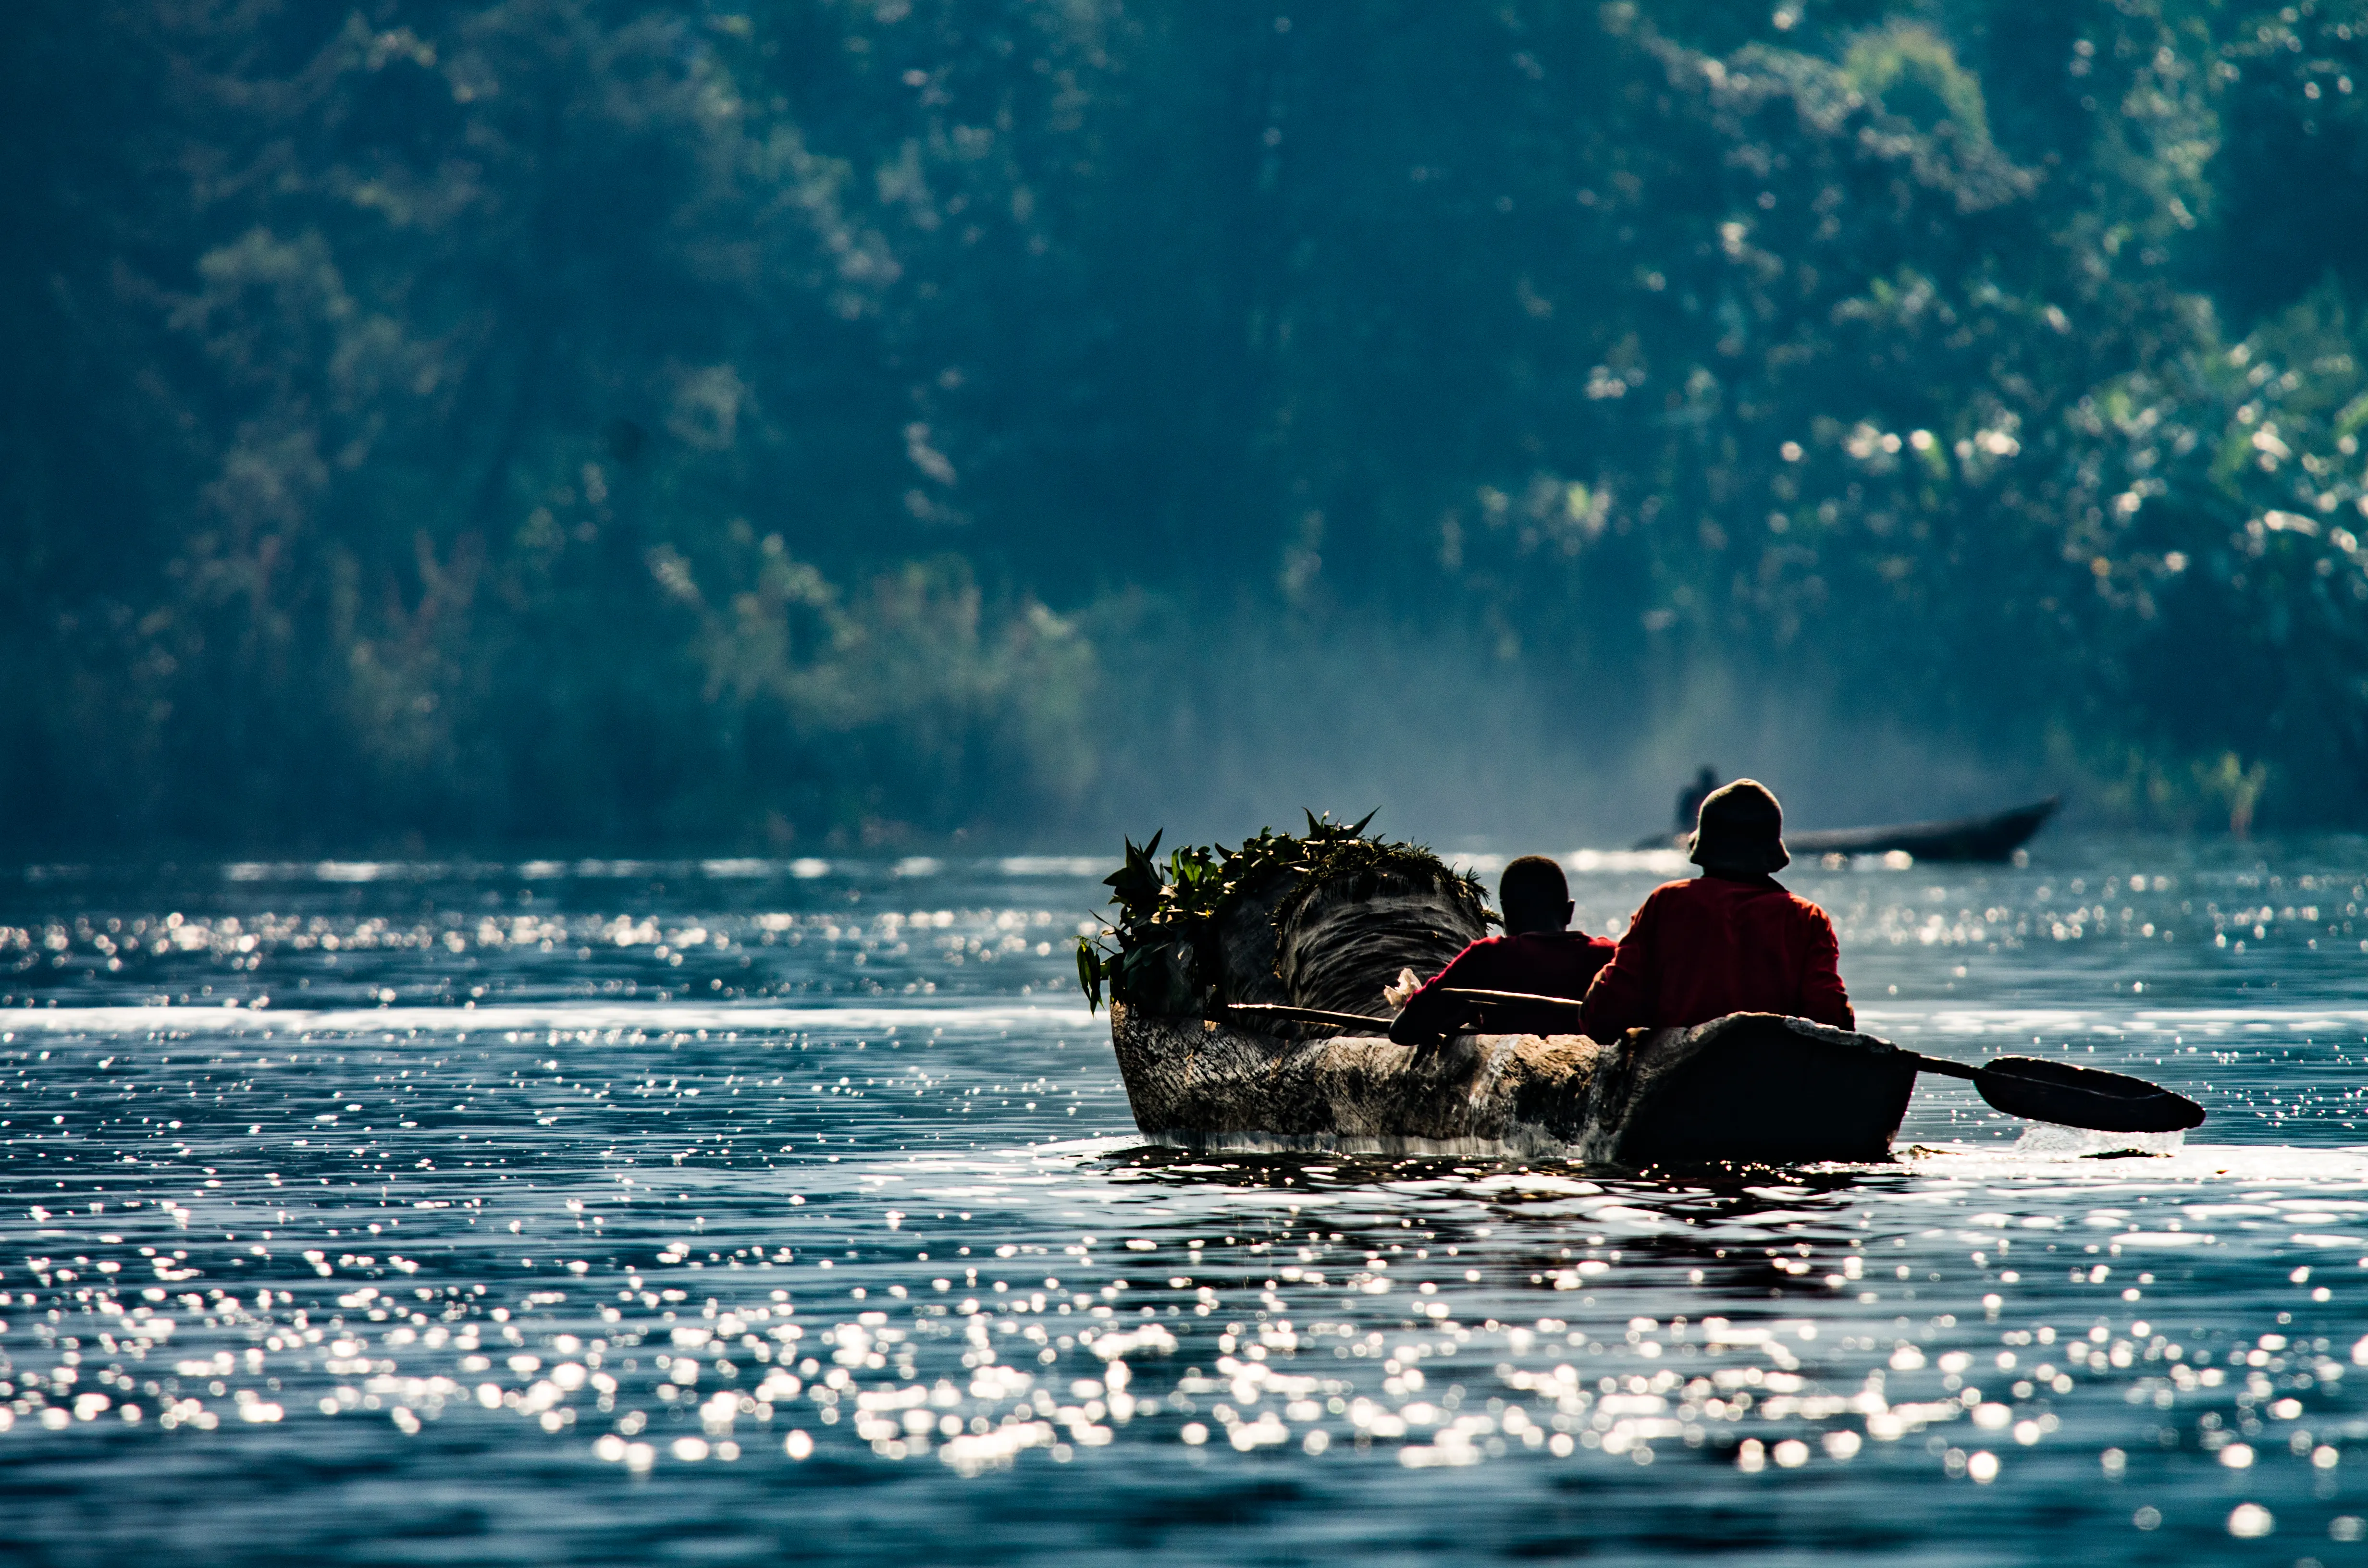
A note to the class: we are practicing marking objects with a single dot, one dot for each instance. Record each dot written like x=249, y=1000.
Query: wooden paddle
x=2029, y=1086
x=1311, y=1016
x=2069, y=1096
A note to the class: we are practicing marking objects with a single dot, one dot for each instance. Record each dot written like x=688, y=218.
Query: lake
x=758, y=1211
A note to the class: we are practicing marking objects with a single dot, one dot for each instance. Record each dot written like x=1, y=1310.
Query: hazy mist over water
x=1450, y=750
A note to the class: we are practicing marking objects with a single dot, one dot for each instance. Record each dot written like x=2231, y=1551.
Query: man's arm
x=1621, y=996
x=1824, y=999
x=1600, y=951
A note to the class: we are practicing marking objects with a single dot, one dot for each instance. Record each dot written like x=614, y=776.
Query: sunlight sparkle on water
x=457, y=1180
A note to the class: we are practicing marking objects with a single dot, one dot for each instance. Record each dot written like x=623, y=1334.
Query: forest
x=458, y=424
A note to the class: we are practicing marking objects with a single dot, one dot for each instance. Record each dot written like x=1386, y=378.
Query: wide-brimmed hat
x=1739, y=828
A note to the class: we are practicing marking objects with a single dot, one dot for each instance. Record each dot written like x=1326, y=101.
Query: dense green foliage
x=500, y=420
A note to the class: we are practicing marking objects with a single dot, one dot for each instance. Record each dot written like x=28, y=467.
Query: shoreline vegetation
x=850, y=427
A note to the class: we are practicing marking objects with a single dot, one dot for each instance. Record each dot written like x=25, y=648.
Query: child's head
x=1534, y=895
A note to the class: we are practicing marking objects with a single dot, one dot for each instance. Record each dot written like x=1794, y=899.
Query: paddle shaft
x=1923, y=1064
x=2007, y=1083
x=2110, y=1102
x=1311, y=1015
x=1467, y=994
x=1360, y=1020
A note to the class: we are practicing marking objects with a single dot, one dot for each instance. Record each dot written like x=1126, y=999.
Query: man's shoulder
x=1703, y=892
x=1678, y=895
x=1726, y=893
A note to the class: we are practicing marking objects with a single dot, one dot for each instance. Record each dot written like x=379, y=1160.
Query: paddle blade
x=2083, y=1096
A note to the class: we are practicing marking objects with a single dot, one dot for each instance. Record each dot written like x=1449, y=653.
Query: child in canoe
x=1539, y=955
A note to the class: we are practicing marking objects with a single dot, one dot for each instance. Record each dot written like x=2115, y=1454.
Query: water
x=744, y=1212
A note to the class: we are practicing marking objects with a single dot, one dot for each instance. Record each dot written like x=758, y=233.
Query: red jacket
x=1544, y=963
x=1703, y=949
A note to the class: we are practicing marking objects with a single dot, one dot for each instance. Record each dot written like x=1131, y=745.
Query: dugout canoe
x=1750, y=1087
x=1992, y=838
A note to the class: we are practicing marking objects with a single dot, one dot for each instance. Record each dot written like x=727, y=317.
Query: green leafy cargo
x=1323, y=919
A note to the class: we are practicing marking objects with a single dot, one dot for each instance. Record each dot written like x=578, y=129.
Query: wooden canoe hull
x=1790, y=1094
x=1749, y=1087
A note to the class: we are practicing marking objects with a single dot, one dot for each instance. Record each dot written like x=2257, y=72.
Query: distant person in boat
x=1731, y=940
x=1539, y=954
x=1690, y=798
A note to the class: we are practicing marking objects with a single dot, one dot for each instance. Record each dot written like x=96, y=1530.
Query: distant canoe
x=1992, y=838
x=1750, y=1087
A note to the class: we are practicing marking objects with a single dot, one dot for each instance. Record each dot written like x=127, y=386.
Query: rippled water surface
x=745, y=1212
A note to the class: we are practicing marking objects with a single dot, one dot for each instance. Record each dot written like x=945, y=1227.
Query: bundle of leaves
x=1206, y=929
x=1361, y=912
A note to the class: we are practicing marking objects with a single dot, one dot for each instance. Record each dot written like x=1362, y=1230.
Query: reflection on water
x=754, y=1210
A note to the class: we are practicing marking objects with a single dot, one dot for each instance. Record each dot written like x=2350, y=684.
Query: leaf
x=1137, y=886
x=1090, y=974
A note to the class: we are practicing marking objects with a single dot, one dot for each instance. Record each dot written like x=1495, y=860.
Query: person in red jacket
x=1538, y=954
x=1729, y=941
